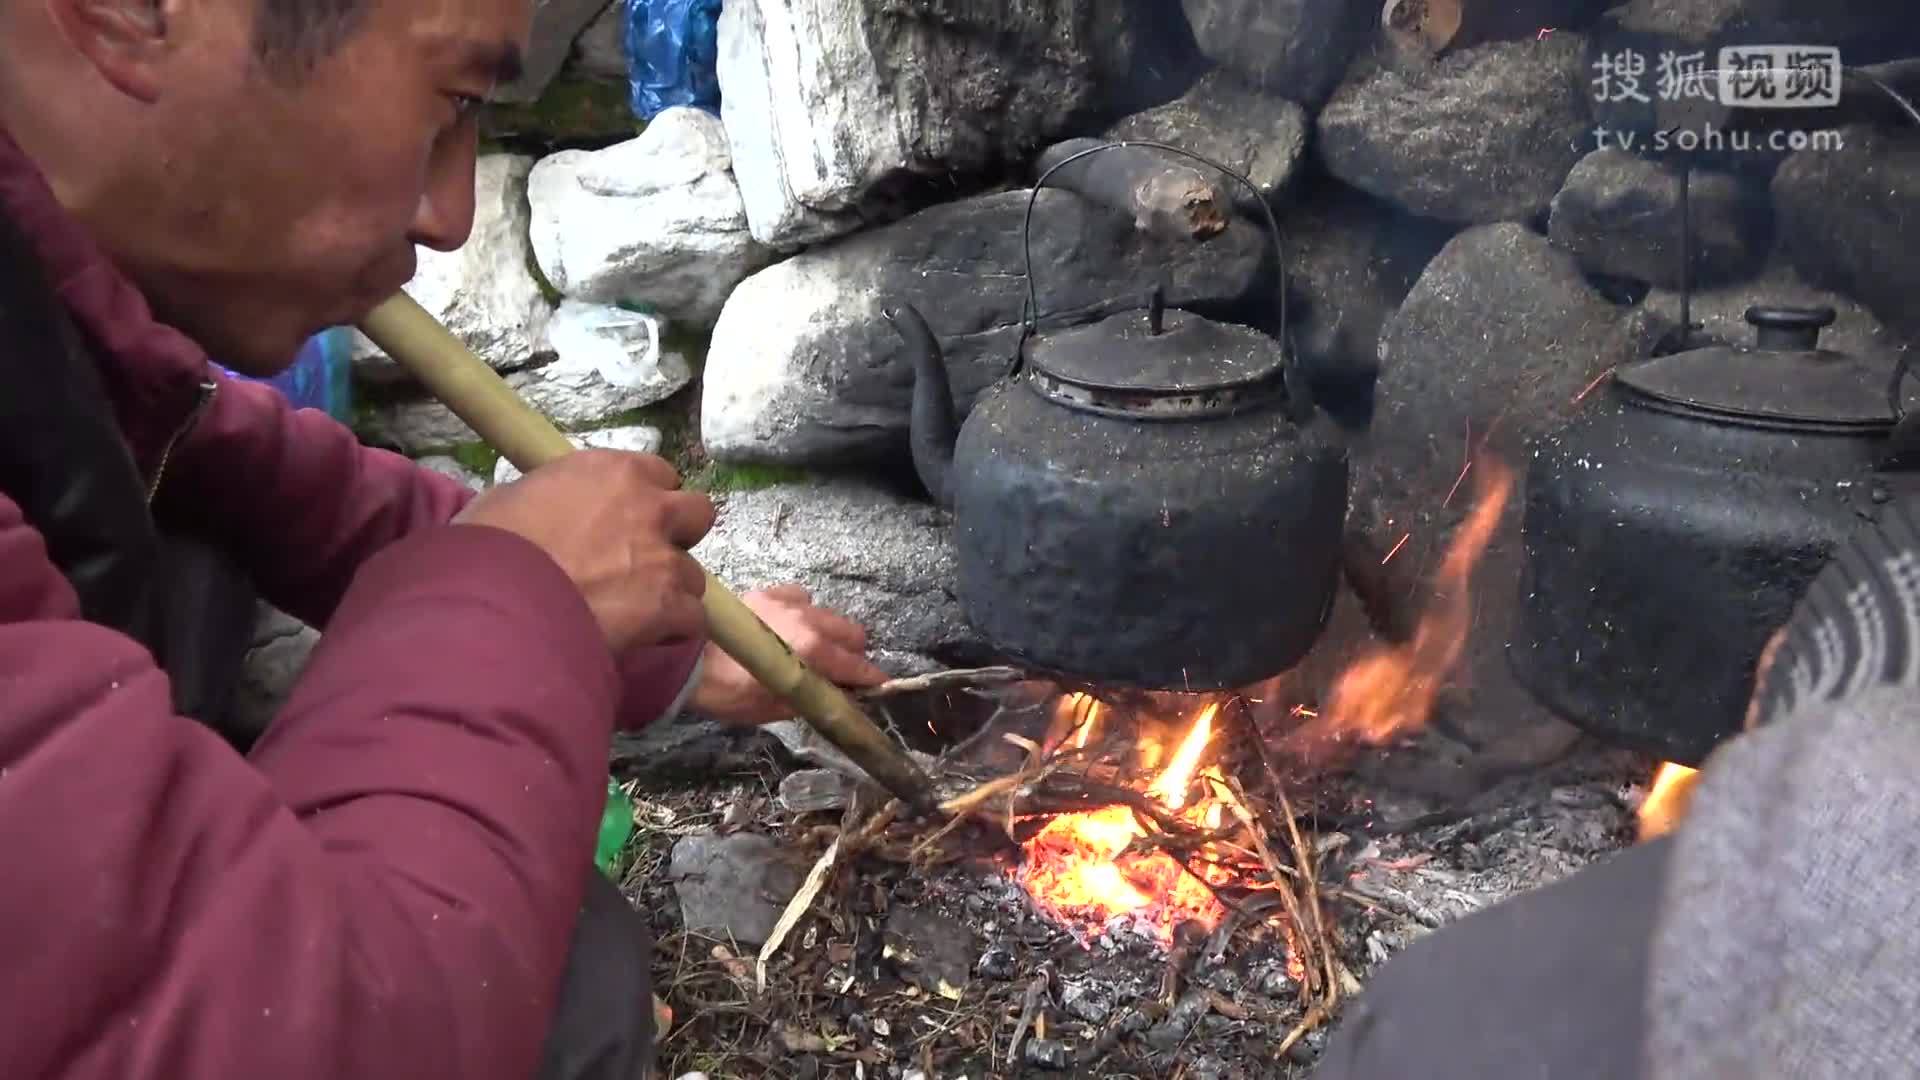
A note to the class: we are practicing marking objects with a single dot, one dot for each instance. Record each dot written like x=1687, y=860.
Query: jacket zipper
x=207, y=392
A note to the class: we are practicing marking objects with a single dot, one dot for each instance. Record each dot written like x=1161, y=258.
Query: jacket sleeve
x=295, y=496
x=385, y=890
x=302, y=503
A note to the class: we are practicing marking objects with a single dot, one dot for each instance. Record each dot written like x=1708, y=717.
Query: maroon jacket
x=386, y=886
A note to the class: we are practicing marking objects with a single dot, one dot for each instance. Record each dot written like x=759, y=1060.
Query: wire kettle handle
x=1031, y=322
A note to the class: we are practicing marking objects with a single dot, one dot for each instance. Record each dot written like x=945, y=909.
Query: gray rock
x=281, y=647
x=601, y=49
x=1295, y=48
x=929, y=949
x=656, y=220
x=732, y=888
x=881, y=559
x=1050, y=1054
x=684, y=749
x=571, y=395
x=812, y=790
x=1483, y=135
x=1351, y=260
x=1850, y=220
x=1088, y=999
x=484, y=292
x=826, y=102
x=1494, y=343
x=633, y=438
x=1619, y=214
x=1845, y=23
x=556, y=23
x=1721, y=314
x=804, y=368
x=1258, y=135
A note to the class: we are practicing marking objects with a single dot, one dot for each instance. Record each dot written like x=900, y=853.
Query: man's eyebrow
x=498, y=62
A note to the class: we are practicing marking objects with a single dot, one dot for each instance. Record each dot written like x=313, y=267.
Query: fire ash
x=1087, y=870
x=1666, y=802
x=1391, y=690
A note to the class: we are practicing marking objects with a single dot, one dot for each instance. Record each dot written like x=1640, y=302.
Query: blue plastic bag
x=321, y=376
x=673, y=48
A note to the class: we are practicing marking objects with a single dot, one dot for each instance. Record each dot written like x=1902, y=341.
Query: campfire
x=1088, y=869
x=1094, y=870
x=1126, y=880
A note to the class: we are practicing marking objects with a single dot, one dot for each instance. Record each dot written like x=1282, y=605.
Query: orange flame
x=1081, y=871
x=1392, y=690
x=1667, y=800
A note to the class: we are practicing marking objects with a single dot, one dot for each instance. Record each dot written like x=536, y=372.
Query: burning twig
x=952, y=679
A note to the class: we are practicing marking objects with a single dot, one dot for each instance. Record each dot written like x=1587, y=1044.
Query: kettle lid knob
x=1789, y=327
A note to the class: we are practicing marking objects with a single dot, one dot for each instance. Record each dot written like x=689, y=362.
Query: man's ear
x=126, y=40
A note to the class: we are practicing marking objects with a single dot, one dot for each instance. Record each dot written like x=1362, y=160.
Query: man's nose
x=445, y=215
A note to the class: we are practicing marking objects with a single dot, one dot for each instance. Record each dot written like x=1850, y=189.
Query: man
x=390, y=881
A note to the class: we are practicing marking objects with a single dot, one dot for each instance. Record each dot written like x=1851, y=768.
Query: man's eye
x=465, y=105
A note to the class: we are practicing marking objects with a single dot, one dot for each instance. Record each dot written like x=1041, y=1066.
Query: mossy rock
x=477, y=458
x=575, y=110
x=716, y=478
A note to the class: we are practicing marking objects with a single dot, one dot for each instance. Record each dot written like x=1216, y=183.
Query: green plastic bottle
x=616, y=827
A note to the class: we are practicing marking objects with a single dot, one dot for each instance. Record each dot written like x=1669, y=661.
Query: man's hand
x=619, y=526
x=828, y=642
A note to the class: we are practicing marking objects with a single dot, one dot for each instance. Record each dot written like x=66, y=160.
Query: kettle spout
x=933, y=425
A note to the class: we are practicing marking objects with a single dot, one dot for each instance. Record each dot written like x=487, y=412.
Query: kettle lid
x=1783, y=379
x=1157, y=362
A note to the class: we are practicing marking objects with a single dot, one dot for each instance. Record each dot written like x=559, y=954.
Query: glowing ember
x=1081, y=870
x=1666, y=802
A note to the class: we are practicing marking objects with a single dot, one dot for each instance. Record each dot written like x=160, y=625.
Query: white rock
x=805, y=143
x=483, y=292
x=635, y=439
x=657, y=220
x=571, y=395
x=826, y=100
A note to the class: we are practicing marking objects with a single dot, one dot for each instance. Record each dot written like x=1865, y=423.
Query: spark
x=1466, y=465
x=1544, y=33
x=1302, y=710
x=1597, y=380
x=1396, y=548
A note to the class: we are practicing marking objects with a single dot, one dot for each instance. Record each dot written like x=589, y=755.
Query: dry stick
x=478, y=395
x=1310, y=884
x=1029, y=1008
x=953, y=679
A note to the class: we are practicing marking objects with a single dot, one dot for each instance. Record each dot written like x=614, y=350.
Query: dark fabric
x=64, y=461
x=604, y=1027
x=62, y=457
x=1548, y=985
x=386, y=884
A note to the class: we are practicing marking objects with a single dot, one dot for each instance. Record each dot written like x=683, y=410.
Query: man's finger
x=838, y=630
x=846, y=668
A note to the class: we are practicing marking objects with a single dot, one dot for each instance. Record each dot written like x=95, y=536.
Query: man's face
x=268, y=206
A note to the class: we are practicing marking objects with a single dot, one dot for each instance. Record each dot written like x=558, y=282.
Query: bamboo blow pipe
x=478, y=395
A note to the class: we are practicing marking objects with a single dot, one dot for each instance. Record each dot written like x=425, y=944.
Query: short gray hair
x=293, y=35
